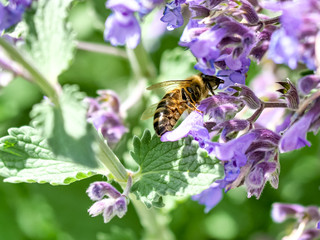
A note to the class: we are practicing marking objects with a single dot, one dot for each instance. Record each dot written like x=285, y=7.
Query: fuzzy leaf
x=50, y=40
x=26, y=157
x=66, y=128
x=171, y=168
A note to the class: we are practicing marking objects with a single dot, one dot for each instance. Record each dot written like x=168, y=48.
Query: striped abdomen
x=168, y=112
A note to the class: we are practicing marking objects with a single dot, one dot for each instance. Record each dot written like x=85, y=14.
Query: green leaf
x=66, y=128
x=171, y=168
x=25, y=156
x=50, y=40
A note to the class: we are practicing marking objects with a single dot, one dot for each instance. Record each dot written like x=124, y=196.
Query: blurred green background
x=32, y=211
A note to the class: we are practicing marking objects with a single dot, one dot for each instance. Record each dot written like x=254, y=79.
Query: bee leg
x=192, y=107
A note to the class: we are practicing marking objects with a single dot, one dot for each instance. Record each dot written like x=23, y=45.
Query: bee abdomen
x=166, y=116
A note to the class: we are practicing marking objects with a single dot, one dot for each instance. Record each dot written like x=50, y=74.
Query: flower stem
x=256, y=114
x=36, y=76
x=264, y=105
x=154, y=224
x=275, y=105
x=101, y=48
x=141, y=63
x=111, y=161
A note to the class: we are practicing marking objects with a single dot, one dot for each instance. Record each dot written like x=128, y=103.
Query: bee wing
x=149, y=112
x=169, y=85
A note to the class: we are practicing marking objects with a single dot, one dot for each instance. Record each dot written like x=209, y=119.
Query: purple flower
x=295, y=136
x=248, y=96
x=307, y=219
x=209, y=197
x=221, y=107
x=104, y=114
x=193, y=126
x=307, y=83
x=251, y=159
x=295, y=41
x=98, y=190
x=172, y=15
x=230, y=128
x=12, y=13
x=115, y=203
x=281, y=211
x=122, y=27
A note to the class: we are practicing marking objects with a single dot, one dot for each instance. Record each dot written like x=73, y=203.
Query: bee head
x=211, y=82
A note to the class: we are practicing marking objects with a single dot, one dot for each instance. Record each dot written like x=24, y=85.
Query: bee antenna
x=222, y=76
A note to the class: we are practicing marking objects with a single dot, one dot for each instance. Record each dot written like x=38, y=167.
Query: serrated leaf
x=50, y=40
x=25, y=156
x=66, y=128
x=171, y=168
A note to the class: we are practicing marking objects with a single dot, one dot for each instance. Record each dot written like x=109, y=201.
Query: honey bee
x=180, y=96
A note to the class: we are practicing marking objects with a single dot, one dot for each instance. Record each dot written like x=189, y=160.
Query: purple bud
x=258, y=176
x=282, y=211
x=221, y=107
x=230, y=128
x=103, y=113
x=307, y=83
x=290, y=92
x=98, y=190
x=115, y=204
x=310, y=234
x=229, y=40
x=237, y=52
x=249, y=12
x=267, y=135
x=120, y=207
x=267, y=32
x=259, y=51
x=198, y=11
x=248, y=96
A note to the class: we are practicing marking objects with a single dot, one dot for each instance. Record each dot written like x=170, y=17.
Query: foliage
x=53, y=132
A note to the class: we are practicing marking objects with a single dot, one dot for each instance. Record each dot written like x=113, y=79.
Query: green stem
x=141, y=63
x=111, y=161
x=36, y=76
x=102, y=48
x=154, y=224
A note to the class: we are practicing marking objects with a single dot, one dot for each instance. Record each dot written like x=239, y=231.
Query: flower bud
x=98, y=190
x=247, y=95
x=290, y=93
x=231, y=128
x=115, y=204
x=221, y=107
x=250, y=13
